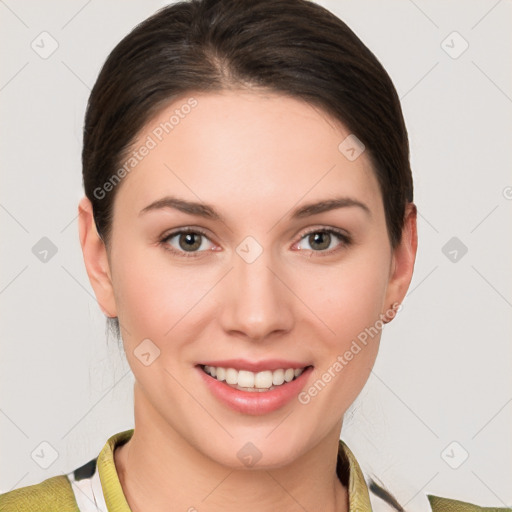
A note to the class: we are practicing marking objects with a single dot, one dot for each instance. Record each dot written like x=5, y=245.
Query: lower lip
x=255, y=402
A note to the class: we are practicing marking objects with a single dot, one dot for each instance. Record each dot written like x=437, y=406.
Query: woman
x=248, y=224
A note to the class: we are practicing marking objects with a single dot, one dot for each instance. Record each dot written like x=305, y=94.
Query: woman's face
x=255, y=281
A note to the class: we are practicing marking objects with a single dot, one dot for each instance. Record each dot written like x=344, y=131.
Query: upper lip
x=256, y=366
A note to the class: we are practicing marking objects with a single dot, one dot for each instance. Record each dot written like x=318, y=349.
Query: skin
x=254, y=157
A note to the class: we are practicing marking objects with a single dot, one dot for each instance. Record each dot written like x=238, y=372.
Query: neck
x=181, y=477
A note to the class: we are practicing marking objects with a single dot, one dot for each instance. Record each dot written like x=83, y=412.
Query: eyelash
x=346, y=241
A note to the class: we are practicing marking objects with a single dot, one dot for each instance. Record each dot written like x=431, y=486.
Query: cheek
x=155, y=297
x=349, y=297
x=349, y=301
x=359, y=323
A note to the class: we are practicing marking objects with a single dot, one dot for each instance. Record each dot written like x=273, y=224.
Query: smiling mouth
x=245, y=380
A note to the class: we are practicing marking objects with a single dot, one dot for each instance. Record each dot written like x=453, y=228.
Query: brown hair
x=294, y=47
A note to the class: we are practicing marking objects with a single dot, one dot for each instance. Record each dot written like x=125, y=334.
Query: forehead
x=247, y=149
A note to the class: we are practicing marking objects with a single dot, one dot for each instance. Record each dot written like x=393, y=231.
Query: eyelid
x=179, y=231
x=345, y=237
x=320, y=228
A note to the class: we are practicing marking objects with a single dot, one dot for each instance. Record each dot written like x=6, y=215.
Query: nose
x=256, y=302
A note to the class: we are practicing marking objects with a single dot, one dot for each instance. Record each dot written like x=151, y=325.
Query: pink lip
x=256, y=366
x=255, y=403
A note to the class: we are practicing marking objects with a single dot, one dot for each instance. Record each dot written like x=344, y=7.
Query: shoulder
x=47, y=496
x=58, y=493
x=440, y=504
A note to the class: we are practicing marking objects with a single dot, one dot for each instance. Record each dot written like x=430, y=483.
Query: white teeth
x=245, y=379
x=278, y=377
x=263, y=380
x=220, y=373
x=231, y=376
x=248, y=381
x=289, y=374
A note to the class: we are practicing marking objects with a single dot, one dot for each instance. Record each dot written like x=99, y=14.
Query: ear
x=96, y=258
x=402, y=264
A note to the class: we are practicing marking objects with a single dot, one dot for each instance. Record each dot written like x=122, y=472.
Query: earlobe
x=95, y=258
x=404, y=257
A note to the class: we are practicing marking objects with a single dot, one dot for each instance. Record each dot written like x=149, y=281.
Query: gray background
x=444, y=370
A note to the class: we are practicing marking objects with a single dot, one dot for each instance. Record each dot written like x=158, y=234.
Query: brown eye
x=324, y=240
x=320, y=240
x=189, y=241
x=186, y=242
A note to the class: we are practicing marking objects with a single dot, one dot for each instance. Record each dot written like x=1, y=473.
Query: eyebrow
x=207, y=211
